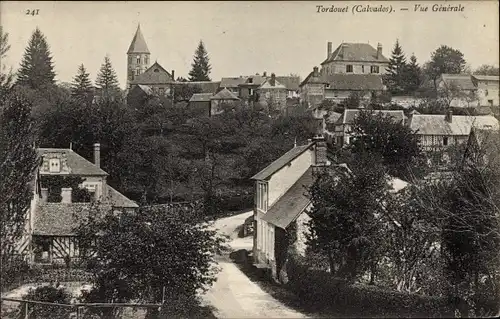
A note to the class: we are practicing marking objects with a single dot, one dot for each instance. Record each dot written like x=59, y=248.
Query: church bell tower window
x=138, y=59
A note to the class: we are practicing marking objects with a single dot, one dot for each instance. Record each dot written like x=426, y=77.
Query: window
x=137, y=71
x=250, y=80
x=250, y=91
x=146, y=60
x=362, y=69
x=130, y=60
x=54, y=165
x=156, y=70
x=262, y=196
x=41, y=247
x=374, y=69
x=348, y=68
x=445, y=140
x=490, y=102
x=138, y=59
x=485, y=92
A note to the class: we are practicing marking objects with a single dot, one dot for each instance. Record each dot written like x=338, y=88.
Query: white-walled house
x=281, y=202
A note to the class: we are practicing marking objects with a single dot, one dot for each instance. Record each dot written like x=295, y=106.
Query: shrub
x=51, y=294
x=320, y=291
x=12, y=272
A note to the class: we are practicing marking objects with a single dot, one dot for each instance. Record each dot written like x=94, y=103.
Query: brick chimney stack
x=379, y=51
x=264, y=74
x=449, y=116
x=97, y=154
x=273, y=79
x=315, y=71
x=173, y=75
x=328, y=49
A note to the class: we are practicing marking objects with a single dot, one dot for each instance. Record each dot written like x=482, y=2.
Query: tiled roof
x=201, y=97
x=282, y=161
x=362, y=52
x=459, y=81
x=156, y=74
x=232, y=82
x=354, y=82
x=117, y=199
x=290, y=82
x=292, y=203
x=311, y=79
x=205, y=86
x=138, y=44
x=267, y=85
x=77, y=164
x=350, y=114
x=486, y=77
x=253, y=80
x=224, y=94
x=435, y=124
x=58, y=219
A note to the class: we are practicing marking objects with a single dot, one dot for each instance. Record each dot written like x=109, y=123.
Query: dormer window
x=156, y=70
x=54, y=165
x=250, y=80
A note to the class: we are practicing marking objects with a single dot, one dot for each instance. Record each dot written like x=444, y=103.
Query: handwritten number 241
x=33, y=12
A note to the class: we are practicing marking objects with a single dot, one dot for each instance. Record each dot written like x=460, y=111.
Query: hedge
x=320, y=291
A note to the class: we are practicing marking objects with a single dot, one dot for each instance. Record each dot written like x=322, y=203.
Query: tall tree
x=487, y=70
x=444, y=60
x=81, y=85
x=200, y=70
x=5, y=77
x=36, y=68
x=18, y=161
x=106, y=78
x=413, y=75
x=395, y=77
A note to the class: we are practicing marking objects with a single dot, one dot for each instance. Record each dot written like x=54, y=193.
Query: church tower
x=137, y=56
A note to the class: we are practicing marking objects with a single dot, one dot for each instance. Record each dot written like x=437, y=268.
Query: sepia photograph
x=249, y=159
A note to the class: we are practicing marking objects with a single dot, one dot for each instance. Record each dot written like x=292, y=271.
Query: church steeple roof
x=138, y=44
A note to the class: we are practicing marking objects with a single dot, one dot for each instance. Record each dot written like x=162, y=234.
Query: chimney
x=264, y=74
x=273, y=79
x=97, y=154
x=44, y=194
x=173, y=75
x=449, y=116
x=315, y=71
x=328, y=50
x=379, y=51
x=320, y=151
x=66, y=195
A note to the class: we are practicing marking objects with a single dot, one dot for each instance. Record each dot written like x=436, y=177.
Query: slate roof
x=205, y=86
x=290, y=82
x=459, y=81
x=435, y=124
x=350, y=114
x=76, y=163
x=117, y=199
x=358, y=82
x=281, y=162
x=232, y=82
x=292, y=203
x=201, y=97
x=310, y=78
x=138, y=44
x=253, y=80
x=58, y=219
x=224, y=94
x=267, y=85
x=361, y=52
x=149, y=76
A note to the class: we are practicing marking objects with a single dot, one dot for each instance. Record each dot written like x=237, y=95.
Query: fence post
x=26, y=309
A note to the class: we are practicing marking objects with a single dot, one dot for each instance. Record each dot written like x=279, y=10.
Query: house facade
x=49, y=235
x=223, y=98
x=272, y=93
x=354, y=58
x=487, y=90
x=281, y=204
x=342, y=134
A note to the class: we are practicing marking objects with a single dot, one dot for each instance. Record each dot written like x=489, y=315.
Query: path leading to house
x=234, y=295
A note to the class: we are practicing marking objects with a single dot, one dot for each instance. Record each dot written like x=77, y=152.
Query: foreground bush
x=320, y=291
x=51, y=294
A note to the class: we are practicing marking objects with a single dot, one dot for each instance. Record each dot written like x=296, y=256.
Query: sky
x=242, y=38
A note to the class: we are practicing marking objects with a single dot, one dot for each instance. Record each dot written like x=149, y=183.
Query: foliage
x=353, y=247
x=81, y=86
x=150, y=255
x=444, y=60
x=53, y=294
x=396, y=70
x=200, y=68
x=183, y=92
x=18, y=162
x=353, y=101
x=6, y=78
x=487, y=70
x=106, y=78
x=54, y=183
x=394, y=142
x=413, y=75
x=36, y=68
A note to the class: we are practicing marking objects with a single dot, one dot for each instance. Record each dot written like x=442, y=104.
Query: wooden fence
x=77, y=309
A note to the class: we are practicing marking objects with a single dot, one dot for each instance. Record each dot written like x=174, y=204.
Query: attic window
x=250, y=80
x=156, y=70
x=54, y=165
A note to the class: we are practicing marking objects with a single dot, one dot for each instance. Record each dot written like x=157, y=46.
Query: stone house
x=224, y=98
x=354, y=58
x=458, y=90
x=272, y=93
x=281, y=203
x=487, y=90
x=49, y=233
x=342, y=128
